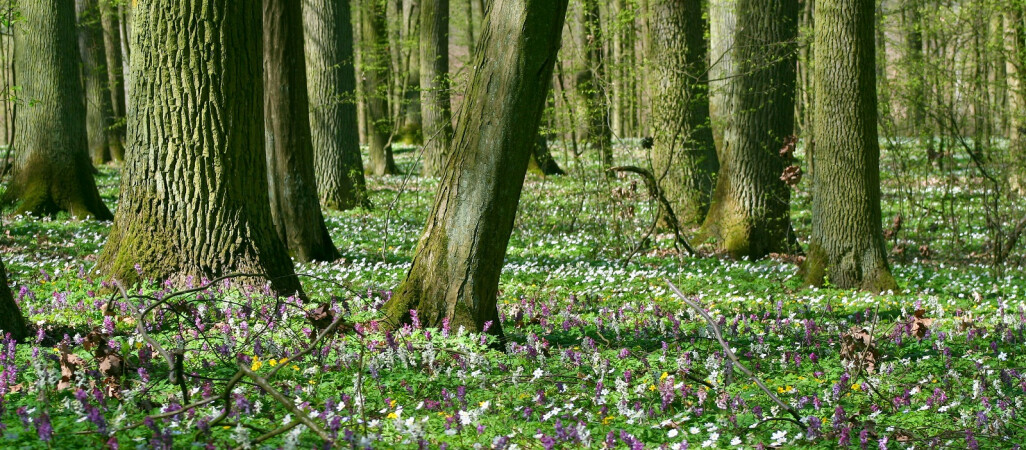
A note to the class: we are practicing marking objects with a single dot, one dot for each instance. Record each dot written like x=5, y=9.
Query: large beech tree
x=295, y=206
x=194, y=196
x=11, y=320
x=52, y=171
x=847, y=246
x=455, y=272
x=434, y=84
x=684, y=155
x=376, y=71
x=331, y=88
x=750, y=210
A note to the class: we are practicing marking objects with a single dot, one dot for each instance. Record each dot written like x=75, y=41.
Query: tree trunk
x=847, y=247
x=542, y=163
x=722, y=17
x=11, y=320
x=115, y=77
x=684, y=156
x=750, y=211
x=331, y=87
x=806, y=61
x=591, y=97
x=375, y=60
x=434, y=83
x=295, y=208
x=194, y=196
x=52, y=171
x=455, y=274
x=99, y=110
x=1016, y=72
x=413, y=122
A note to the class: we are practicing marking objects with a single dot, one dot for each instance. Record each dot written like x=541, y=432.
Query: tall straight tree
x=750, y=211
x=52, y=171
x=295, y=207
x=194, y=196
x=115, y=76
x=434, y=84
x=684, y=155
x=375, y=69
x=847, y=245
x=455, y=272
x=11, y=320
x=103, y=145
x=722, y=22
x=331, y=88
x=592, y=104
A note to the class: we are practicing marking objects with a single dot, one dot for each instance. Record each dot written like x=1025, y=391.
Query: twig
x=284, y=401
x=797, y=419
x=664, y=205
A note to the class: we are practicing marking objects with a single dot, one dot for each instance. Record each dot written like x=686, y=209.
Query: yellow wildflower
x=392, y=416
x=856, y=387
x=664, y=376
x=256, y=364
x=606, y=420
x=651, y=387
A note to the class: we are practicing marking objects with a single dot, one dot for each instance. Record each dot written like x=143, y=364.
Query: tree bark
x=295, y=207
x=11, y=320
x=684, y=155
x=331, y=88
x=115, y=77
x=591, y=97
x=99, y=110
x=750, y=211
x=375, y=61
x=194, y=195
x=542, y=163
x=455, y=272
x=722, y=18
x=434, y=83
x=847, y=247
x=52, y=171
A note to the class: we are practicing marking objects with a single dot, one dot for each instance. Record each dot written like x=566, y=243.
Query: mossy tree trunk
x=52, y=171
x=375, y=68
x=115, y=77
x=750, y=211
x=295, y=207
x=99, y=109
x=592, y=105
x=434, y=84
x=194, y=194
x=455, y=272
x=847, y=247
x=11, y=320
x=331, y=88
x=683, y=154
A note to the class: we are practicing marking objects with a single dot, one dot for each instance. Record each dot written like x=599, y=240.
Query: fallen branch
x=797, y=419
x=664, y=204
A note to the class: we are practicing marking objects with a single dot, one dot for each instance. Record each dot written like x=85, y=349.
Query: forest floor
x=600, y=352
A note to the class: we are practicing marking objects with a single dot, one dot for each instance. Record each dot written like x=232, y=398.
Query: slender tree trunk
x=434, y=82
x=115, y=77
x=542, y=163
x=194, y=195
x=99, y=110
x=722, y=17
x=684, y=155
x=413, y=122
x=331, y=86
x=750, y=212
x=847, y=246
x=11, y=320
x=295, y=208
x=455, y=274
x=375, y=57
x=588, y=81
x=52, y=171
x=471, y=38
x=1016, y=72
